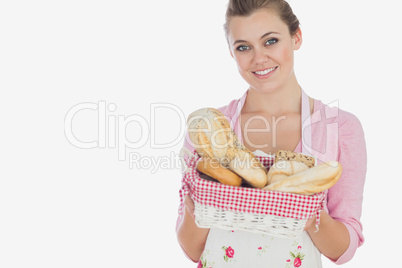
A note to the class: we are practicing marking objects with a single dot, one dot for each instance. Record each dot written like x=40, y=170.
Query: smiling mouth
x=266, y=71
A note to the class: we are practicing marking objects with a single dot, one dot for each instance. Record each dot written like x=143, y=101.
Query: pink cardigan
x=336, y=135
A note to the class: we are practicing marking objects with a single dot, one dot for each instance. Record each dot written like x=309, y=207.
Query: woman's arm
x=332, y=239
x=191, y=238
x=340, y=232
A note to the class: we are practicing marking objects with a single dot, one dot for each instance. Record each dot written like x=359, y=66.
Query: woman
x=262, y=36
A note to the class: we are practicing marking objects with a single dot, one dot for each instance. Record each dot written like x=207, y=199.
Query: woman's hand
x=310, y=222
x=191, y=238
x=332, y=238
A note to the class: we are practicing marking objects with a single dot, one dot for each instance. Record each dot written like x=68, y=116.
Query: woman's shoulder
x=331, y=113
x=229, y=109
x=335, y=131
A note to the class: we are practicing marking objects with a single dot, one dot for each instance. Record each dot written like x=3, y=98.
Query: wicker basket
x=248, y=209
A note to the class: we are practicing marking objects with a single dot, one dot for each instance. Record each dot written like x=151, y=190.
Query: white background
x=64, y=206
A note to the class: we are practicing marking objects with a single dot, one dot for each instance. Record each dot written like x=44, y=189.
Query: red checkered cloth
x=248, y=200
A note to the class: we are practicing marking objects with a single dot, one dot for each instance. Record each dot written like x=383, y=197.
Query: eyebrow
x=263, y=36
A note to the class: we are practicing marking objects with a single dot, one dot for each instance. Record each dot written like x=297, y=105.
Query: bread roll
x=292, y=156
x=283, y=169
x=249, y=168
x=213, y=168
x=212, y=136
x=310, y=181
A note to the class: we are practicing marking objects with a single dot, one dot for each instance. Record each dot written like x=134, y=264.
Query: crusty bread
x=310, y=181
x=246, y=165
x=212, y=137
x=282, y=169
x=211, y=134
x=292, y=156
x=213, y=168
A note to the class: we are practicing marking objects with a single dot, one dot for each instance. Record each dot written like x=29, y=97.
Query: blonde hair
x=247, y=7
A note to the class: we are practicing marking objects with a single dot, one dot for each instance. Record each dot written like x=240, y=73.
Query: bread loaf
x=309, y=181
x=246, y=165
x=212, y=137
x=211, y=134
x=213, y=168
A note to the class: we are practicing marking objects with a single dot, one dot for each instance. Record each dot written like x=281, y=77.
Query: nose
x=260, y=56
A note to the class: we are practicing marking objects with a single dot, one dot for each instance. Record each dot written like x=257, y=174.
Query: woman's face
x=263, y=49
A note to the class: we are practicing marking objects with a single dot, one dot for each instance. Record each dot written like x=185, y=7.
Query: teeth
x=265, y=71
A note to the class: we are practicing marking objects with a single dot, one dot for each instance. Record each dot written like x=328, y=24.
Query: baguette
x=282, y=169
x=309, y=181
x=213, y=168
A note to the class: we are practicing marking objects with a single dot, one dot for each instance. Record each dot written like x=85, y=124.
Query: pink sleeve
x=346, y=196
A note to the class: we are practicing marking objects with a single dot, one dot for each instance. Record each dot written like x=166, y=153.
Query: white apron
x=242, y=249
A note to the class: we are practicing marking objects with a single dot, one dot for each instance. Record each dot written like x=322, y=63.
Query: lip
x=265, y=76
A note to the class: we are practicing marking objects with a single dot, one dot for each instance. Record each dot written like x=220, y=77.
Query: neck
x=278, y=102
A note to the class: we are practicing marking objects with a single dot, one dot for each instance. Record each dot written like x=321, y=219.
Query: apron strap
x=306, y=140
x=305, y=124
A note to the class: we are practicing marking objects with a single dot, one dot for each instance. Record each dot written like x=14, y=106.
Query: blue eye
x=271, y=41
x=242, y=48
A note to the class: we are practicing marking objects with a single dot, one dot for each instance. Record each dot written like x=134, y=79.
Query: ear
x=298, y=39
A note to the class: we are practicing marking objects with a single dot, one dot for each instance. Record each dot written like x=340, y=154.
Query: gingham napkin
x=248, y=200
